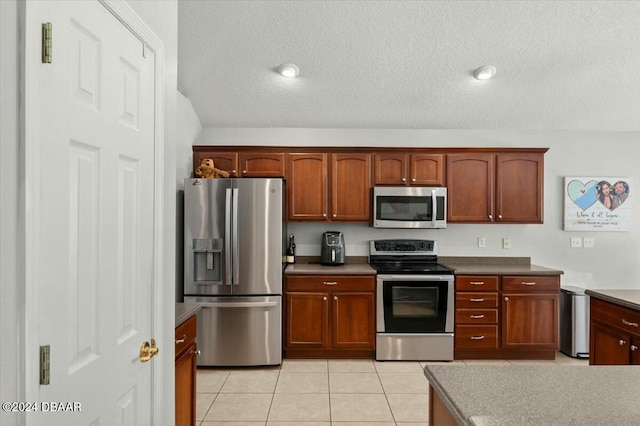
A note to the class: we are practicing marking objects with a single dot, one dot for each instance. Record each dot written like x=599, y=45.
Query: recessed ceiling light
x=485, y=73
x=288, y=70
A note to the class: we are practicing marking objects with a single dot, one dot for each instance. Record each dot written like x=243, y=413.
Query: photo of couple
x=612, y=196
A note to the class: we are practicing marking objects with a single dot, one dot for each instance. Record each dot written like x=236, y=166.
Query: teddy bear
x=207, y=170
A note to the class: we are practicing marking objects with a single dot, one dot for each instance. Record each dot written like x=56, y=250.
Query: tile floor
x=323, y=393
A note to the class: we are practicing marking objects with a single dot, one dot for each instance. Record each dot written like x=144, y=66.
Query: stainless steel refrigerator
x=233, y=247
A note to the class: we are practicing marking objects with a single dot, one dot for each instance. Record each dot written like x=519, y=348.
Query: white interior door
x=96, y=217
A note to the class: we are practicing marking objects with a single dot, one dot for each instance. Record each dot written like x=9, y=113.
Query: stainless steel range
x=414, y=301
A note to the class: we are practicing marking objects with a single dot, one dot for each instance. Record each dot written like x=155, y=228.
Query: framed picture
x=597, y=204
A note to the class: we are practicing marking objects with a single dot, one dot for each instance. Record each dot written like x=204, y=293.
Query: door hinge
x=44, y=364
x=46, y=42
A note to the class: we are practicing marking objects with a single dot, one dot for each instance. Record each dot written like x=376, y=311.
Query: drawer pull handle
x=632, y=324
x=184, y=338
x=476, y=282
x=476, y=300
x=330, y=282
x=477, y=337
x=621, y=342
x=528, y=283
x=476, y=316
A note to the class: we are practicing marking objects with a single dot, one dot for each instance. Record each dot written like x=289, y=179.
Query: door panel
x=307, y=320
x=470, y=180
x=353, y=320
x=530, y=320
x=610, y=347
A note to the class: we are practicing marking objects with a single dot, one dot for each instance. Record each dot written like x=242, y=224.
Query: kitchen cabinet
x=508, y=317
x=185, y=372
x=391, y=168
x=329, y=316
x=495, y=187
x=245, y=164
x=614, y=334
x=309, y=177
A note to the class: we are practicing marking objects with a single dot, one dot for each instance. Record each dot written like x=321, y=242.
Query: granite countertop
x=495, y=266
x=185, y=310
x=628, y=298
x=316, y=268
x=538, y=394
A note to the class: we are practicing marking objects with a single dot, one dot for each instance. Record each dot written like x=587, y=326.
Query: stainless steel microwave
x=409, y=207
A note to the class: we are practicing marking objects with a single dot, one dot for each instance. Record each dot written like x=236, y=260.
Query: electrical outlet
x=506, y=243
x=576, y=242
x=588, y=242
x=482, y=242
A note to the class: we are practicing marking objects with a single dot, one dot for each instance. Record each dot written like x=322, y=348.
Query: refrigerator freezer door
x=239, y=331
x=207, y=228
x=258, y=233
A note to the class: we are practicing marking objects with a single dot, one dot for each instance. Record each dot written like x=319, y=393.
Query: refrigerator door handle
x=237, y=304
x=234, y=242
x=227, y=237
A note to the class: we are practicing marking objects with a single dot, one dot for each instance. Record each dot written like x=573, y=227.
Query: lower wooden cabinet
x=615, y=334
x=506, y=317
x=185, y=372
x=329, y=316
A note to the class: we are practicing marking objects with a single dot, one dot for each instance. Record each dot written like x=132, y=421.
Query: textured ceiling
x=562, y=65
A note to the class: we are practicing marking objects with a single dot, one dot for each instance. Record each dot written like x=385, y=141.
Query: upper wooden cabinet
x=308, y=181
x=489, y=187
x=408, y=169
x=245, y=164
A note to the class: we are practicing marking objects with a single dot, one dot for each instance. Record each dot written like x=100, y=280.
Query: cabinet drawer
x=479, y=283
x=476, y=300
x=330, y=283
x=476, y=316
x=531, y=283
x=476, y=337
x=185, y=335
x=616, y=316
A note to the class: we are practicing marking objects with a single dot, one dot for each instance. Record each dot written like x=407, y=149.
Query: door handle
x=238, y=304
x=148, y=350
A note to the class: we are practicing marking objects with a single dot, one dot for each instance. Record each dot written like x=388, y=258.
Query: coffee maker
x=332, y=251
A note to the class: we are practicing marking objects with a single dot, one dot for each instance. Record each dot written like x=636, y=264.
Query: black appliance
x=414, y=301
x=332, y=251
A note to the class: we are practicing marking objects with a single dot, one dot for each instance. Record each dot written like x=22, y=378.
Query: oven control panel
x=403, y=246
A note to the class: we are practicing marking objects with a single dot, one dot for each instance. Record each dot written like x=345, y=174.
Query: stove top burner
x=434, y=268
x=405, y=257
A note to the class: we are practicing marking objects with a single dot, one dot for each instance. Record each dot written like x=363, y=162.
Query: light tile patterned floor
x=324, y=393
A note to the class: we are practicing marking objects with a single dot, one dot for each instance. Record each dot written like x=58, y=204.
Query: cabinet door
x=307, y=320
x=519, y=188
x=608, y=346
x=470, y=181
x=530, y=320
x=353, y=320
x=307, y=187
x=427, y=169
x=185, y=387
x=350, y=187
x=262, y=164
x=227, y=161
x=390, y=169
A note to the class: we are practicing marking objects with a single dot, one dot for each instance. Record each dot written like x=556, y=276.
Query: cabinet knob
x=198, y=353
x=634, y=348
x=244, y=172
x=506, y=299
x=233, y=172
x=404, y=179
x=335, y=297
x=499, y=216
x=324, y=298
x=491, y=218
x=413, y=180
x=334, y=215
x=621, y=342
x=324, y=215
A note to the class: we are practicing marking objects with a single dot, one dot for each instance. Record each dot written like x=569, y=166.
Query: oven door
x=414, y=304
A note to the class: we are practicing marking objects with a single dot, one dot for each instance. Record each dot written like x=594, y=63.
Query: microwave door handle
x=433, y=208
x=234, y=242
x=227, y=237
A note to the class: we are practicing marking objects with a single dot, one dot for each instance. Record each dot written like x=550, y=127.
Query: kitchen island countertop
x=185, y=310
x=538, y=394
x=627, y=298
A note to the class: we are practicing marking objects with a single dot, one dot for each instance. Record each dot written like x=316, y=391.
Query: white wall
x=614, y=262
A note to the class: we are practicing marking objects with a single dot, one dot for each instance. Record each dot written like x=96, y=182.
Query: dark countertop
x=317, y=269
x=519, y=395
x=495, y=266
x=627, y=298
x=185, y=310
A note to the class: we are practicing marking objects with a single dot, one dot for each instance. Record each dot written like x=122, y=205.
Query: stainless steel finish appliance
x=409, y=207
x=233, y=249
x=332, y=250
x=574, y=322
x=414, y=301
